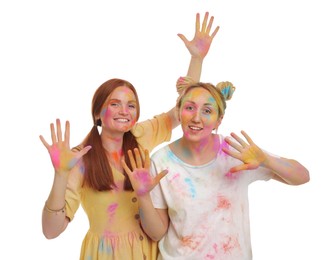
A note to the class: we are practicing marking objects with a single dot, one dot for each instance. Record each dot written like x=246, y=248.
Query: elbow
x=157, y=234
x=157, y=237
x=50, y=234
x=303, y=178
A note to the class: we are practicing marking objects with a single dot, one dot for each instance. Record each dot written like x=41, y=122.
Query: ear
x=218, y=123
x=178, y=115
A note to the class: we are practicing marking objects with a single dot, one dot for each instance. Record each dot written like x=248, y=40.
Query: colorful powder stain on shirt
x=111, y=211
x=229, y=244
x=222, y=203
x=174, y=177
x=189, y=241
x=104, y=248
x=191, y=187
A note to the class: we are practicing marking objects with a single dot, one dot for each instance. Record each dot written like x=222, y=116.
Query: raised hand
x=62, y=158
x=247, y=152
x=140, y=177
x=199, y=46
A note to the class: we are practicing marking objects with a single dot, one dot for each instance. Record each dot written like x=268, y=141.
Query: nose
x=196, y=116
x=124, y=110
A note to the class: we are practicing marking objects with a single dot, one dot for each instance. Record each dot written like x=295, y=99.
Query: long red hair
x=98, y=173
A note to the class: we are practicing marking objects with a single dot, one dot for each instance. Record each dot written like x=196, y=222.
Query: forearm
x=290, y=171
x=195, y=68
x=54, y=219
x=154, y=225
x=194, y=72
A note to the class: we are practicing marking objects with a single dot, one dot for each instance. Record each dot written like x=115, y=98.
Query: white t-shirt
x=207, y=206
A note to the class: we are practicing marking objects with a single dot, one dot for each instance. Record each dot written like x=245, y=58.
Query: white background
x=279, y=54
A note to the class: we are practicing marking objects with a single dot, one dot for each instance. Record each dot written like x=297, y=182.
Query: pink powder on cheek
x=106, y=114
x=103, y=112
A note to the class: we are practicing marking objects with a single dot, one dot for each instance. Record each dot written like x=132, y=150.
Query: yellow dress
x=114, y=221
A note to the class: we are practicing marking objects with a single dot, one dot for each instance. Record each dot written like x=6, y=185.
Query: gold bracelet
x=53, y=210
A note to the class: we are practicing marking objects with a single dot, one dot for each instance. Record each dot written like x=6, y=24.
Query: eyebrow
x=118, y=100
x=206, y=104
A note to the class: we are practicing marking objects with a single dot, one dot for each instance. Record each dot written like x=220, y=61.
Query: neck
x=197, y=150
x=112, y=143
x=113, y=147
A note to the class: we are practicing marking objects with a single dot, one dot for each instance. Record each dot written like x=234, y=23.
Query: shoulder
x=160, y=152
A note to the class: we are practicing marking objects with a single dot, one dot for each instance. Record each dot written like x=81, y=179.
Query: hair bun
x=227, y=89
x=183, y=82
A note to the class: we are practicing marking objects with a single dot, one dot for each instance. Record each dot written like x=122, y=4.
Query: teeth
x=195, y=128
x=122, y=120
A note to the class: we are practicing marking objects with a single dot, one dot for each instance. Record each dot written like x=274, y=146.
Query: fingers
x=84, y=151
x=208, y=29
x=243, y=167
x=146, y=159
x=44, y=142
x=231, y=153
x=125, y=167
x=247, y=137
x=204, y=23
x=59, y=130
x=136, y=162
x=131, y=159
x=159, y=177
x=197, y=22
x=138, y=158
x=239, y=139
x=233, y=144
x=215, y=32
x=67, y=134
x=53, y=135
x=183, y=38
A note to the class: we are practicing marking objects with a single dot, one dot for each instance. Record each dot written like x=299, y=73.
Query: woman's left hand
x=247, y=152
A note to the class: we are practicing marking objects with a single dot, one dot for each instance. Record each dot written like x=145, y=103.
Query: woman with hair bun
x=198, y=205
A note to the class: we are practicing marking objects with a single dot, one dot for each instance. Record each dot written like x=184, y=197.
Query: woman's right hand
x=62, y=157
x=202, y=40
x=139, y=176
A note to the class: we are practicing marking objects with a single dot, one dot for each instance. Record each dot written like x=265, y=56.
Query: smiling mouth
x=122, y=120
x=195, y=128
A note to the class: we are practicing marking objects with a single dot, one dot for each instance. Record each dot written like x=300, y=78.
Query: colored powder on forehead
x=212, y=100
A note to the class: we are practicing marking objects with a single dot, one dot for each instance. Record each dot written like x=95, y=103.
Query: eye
x=114, y=104
x=207, y=111
x=133, y=106
x=189, y=108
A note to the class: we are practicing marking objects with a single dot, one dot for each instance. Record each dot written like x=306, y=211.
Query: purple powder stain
x=111, y=210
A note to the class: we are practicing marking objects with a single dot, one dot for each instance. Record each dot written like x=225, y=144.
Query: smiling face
x=119, y=113
x=198, y=114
